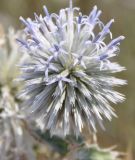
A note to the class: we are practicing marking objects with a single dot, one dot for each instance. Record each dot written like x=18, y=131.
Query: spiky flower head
x=15, y=142
x=68, y=76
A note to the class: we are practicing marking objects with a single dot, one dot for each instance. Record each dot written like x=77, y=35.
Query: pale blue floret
x=68, y=77
x=94, y=16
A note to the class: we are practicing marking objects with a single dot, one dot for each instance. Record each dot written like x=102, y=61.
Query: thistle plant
x=68, y=76
x=15, y=142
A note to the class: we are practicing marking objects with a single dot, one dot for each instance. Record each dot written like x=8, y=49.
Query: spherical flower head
x=15, y=142
x=68, y=76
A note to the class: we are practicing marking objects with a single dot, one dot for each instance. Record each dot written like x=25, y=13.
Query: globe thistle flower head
x=68, y=76
x=13, y=138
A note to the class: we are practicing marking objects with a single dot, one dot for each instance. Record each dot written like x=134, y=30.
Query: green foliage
x=95, y=153
x=57, y=143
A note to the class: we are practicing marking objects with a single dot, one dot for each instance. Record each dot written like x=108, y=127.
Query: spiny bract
x=68, y=76
x=94, y=152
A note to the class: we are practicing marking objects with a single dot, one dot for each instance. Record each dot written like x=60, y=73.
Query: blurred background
x=120, y=131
